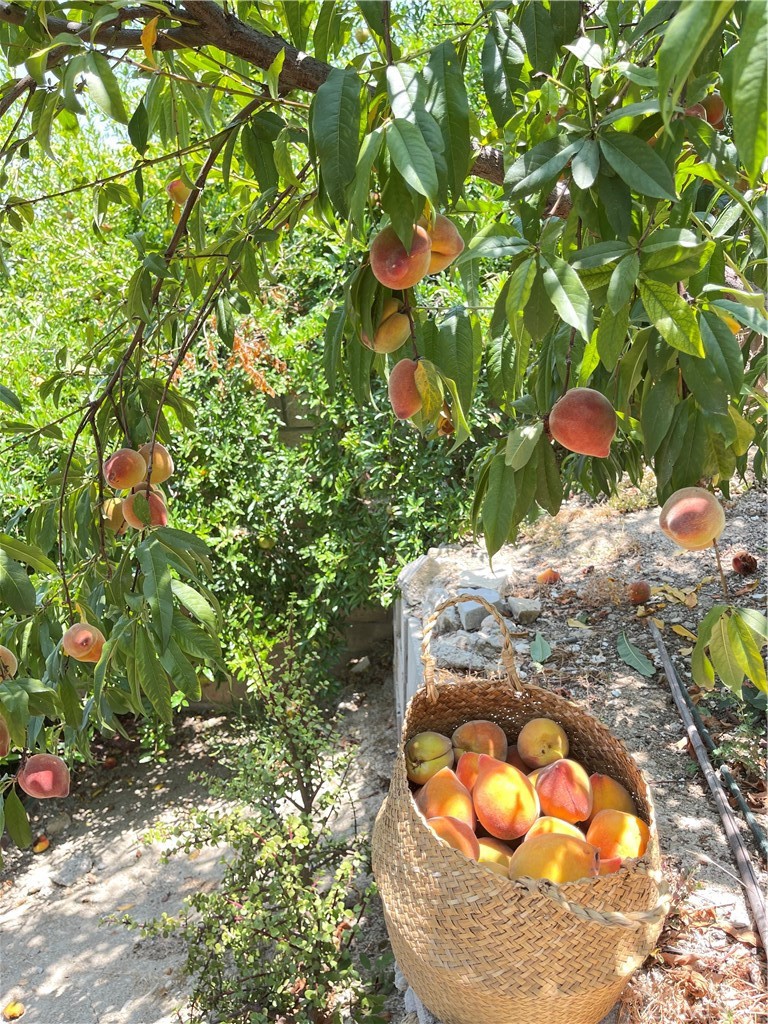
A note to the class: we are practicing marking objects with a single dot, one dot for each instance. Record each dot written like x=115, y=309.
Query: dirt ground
x=67, y=958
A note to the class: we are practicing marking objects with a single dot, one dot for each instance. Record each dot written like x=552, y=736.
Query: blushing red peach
x=83, y=642
x=162, y=461
x=8, y=663
x=564, y=791
x=124, y=469
x=393, y=265
x=513, y=757
x=495, y=855
x=44, y=776
x=548, y=824
x=404, y=395
x=447, y=244
x=143, y=510
x=467, y=768
x=583, y=421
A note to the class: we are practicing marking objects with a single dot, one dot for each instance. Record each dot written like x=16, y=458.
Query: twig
x=736, y=843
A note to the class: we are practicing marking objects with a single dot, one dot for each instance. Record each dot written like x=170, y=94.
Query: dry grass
x=703, y=971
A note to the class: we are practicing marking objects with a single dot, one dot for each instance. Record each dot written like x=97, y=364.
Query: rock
x=489, y=642
x=362, y=666
x=472, y=613
x=459, y=651
x=57, y=823
x=449, y=620
x=523, y=609
x=479, y=581
x=72, y=868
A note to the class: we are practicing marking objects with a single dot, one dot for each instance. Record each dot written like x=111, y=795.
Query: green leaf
x=499, y=505
x=746, y=652
x=701, y=667
x=549, y=486
x=493, y=242
x=334, y=334
x=723, y=659
x=195, y=603
x=16, y=588
x=27, y=553
x=637, y=165
x=360, y=187
x=428, y=384
x=194, y=640
x=502, y=59
x=751, y=318
x=612, y=335
x=103, y=88
x=568, y=295
x=335, y=133
x=539, y=166
x=456, y=348
x=701, y=378
x=658, y=411
x=755, y=621
x=540, y=650
x=684, y=40
x=152, y=678
x=745, y=432
x=672, y=317
x=536, y=27
x=138, y=128
x=521, y=443
x=447, y=102
x=623, y=280
x=586, y=164
x=634, y=657
x=518, y=293
x=16, y=821
x=8, y=398
x=157, y=587
x=745, y=75
x=412, y=157
x=181, y=671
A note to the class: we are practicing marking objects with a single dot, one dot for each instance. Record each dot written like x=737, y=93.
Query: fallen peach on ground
x=443, y=796
x=555, y=856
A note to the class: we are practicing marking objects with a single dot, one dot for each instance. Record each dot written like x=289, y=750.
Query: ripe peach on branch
x=583, y=421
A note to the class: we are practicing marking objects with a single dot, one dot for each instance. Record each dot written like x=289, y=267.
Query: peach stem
x=720, y=568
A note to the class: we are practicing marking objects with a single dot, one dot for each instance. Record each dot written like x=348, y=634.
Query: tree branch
x=206, y=24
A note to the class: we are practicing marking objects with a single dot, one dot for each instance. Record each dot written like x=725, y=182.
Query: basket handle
x=507, y=654
x=608, y=918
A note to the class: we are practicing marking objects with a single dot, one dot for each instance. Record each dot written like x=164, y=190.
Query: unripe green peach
x=425, y=754
x=124, y=469
x=162, y=463
x=83, y=642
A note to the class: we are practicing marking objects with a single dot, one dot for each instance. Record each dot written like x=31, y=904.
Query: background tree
x=602, y=163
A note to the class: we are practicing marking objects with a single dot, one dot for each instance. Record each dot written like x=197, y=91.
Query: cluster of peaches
x=144, y=504
x=433, y=248
x=523, y=809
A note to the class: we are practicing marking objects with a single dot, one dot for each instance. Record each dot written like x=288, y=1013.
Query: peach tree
x=535, y=199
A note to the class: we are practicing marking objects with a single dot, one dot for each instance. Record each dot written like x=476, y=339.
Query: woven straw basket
x=478, y=948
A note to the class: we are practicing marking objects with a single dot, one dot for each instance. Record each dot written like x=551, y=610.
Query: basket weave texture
x=478, y=948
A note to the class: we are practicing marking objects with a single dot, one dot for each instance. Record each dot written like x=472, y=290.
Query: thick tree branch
x=205, y=23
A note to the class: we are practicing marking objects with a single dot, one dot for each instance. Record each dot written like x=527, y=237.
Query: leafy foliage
x=614, y=238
